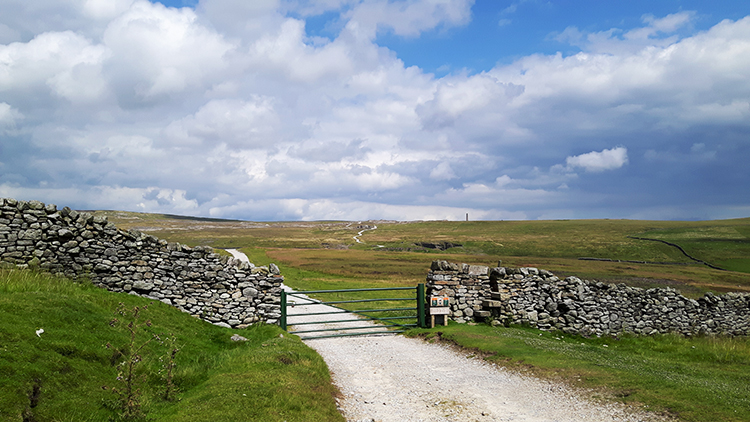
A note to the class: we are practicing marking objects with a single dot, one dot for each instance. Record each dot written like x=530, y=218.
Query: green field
x=70, y=371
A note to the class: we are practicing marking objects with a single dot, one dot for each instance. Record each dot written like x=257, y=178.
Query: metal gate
x=317, y=316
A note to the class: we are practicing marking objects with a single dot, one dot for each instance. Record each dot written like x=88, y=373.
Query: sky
x=270, y=110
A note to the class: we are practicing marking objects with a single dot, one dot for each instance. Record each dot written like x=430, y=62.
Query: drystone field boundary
x=540, y=299
x=219, y=289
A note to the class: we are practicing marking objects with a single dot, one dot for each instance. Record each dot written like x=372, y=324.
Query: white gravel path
x=393, y=378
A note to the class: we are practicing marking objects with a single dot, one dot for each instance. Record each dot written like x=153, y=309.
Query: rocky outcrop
x=538, y=298
x=216, y=288
x=441, y=246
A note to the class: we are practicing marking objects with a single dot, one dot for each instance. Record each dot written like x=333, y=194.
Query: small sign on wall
x=439, y=301
x=440, y=311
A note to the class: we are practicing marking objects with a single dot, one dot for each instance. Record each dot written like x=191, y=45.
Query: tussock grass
x=66, y=373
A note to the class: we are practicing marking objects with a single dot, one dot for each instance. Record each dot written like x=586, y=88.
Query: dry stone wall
x=540, y=299
x=215, y=288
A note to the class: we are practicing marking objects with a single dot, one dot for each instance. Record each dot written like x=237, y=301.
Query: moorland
x=399, y=253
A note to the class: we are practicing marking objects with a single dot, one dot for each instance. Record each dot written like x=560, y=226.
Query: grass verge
x=694, y=379
x=66, y=372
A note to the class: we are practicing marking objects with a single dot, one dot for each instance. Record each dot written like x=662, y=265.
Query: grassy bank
x=68, y=373
x=695, y=379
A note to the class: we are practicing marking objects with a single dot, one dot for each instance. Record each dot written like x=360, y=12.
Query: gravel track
x=394, y=378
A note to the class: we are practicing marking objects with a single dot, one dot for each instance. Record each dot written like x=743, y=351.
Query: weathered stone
x=537, y=297
x=143, y=285
x=65, y=234
x=478, y=270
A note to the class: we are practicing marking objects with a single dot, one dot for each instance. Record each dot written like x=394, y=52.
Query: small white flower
x=39, y=332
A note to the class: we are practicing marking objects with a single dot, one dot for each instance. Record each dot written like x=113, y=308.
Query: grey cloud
x=239, y=115
x=329, y=151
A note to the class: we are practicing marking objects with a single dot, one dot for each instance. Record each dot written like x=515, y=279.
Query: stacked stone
x=538, y=298
x=218, y=289
x=465, y=285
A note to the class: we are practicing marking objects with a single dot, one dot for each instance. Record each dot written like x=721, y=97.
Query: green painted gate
x=318, y=315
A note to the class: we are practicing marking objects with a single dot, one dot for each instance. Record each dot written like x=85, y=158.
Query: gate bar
x=350, y=290
x=352, y=320
x=358, y=311
x=366, y=300
x=282, y=320
x=420, y=306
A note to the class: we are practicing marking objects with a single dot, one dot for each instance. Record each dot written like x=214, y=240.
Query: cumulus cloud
x=232, y=109
x=407, y=17
x=62, y=64
x=248, y=124
x=656, y=32
x=160, y=51
x=608, y=159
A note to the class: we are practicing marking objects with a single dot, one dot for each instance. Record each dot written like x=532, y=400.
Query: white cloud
x=657, y=32
x=286, y=51
x=233, y=110
x=317, y=7
x=105, y=9
x=239, y=123
x=241, y=19
x=325, y=209
x=608, y=159
x=64, y=62
x=408, y=17
x=160, y=51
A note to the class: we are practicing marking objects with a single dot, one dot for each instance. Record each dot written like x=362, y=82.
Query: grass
x=727, y=246
x=66, y=373
x=695, y=379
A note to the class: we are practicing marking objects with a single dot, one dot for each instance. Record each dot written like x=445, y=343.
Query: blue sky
x=500, y=31
x=378, y=109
